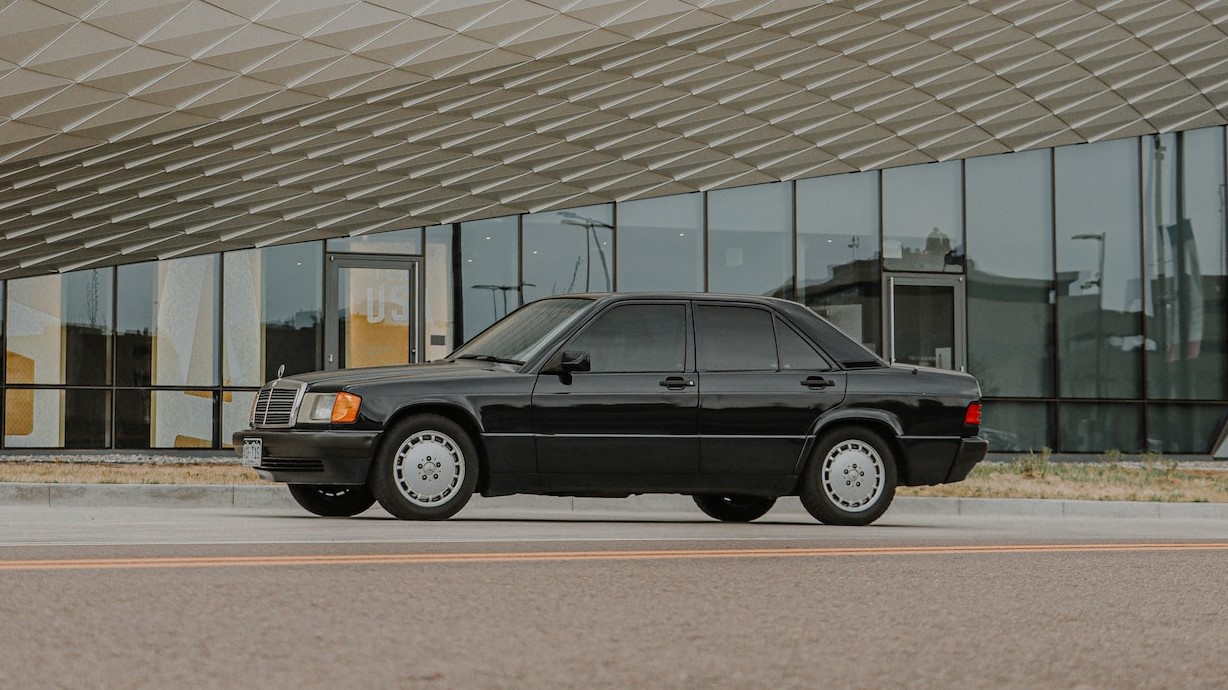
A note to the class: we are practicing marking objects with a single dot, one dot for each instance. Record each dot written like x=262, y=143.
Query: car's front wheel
x=426, y=469
x=850, y=479
x=333, y=501
x=733, y=508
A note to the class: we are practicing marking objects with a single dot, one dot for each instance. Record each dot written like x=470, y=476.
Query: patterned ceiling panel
x=141, y=129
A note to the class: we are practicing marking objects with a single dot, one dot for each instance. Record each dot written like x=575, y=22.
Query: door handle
x=677, y=382
x=817, y=382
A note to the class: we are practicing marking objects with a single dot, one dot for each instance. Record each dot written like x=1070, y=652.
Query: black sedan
x=733, y=400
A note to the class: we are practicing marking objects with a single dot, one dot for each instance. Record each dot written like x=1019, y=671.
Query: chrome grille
x=276, y=404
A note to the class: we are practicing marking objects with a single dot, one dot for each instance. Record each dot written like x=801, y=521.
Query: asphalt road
x=178, y=598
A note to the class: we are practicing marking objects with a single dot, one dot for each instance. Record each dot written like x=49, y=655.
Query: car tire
x=426, y=469
x=733, y=507
x=850, y=479
x=333, y=501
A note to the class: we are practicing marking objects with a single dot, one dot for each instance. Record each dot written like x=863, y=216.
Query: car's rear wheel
x=426, y=469
x=732, y=507
x=851, y=477
x=333, y=501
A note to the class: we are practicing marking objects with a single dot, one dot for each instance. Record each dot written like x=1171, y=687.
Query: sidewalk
x=276, y=497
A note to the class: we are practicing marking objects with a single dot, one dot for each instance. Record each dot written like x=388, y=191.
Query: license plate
x=253, y=449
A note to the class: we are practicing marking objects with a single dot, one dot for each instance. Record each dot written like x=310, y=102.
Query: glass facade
x=1010, y=273
x=750, y=240
x=923, y=225
x=838, y=251
x=661, y=244
x=568, y=252
x=1093, y=302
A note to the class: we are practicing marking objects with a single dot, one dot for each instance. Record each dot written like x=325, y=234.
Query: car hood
x=434, y=371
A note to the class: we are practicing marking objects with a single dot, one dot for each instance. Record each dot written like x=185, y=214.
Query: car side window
x=735, y=339
x=636, y=338
x=796, y=353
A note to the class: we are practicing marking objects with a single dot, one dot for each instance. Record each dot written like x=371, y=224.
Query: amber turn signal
x=345, y=408
x=972, y=417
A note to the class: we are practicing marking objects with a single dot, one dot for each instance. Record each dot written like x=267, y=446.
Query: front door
x=371, y=311
x=636, y=413
x=923, y=320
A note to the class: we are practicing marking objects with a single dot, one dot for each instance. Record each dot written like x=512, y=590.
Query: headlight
x=320, y=408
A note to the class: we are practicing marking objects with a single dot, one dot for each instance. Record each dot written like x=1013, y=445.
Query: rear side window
x=735, y=339
x=636, y=338
x=795, y=352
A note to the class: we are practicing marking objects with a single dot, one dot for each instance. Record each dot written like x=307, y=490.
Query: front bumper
x=930, y=461
x=312, y=457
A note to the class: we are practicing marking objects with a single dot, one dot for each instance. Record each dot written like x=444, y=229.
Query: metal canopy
x=143, y=129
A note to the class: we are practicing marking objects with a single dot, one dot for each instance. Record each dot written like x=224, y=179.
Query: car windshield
x=515, y=338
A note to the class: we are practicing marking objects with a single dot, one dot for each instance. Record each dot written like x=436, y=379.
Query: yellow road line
x=569, y=556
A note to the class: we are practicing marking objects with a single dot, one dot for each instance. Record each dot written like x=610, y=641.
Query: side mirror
x=575, y=361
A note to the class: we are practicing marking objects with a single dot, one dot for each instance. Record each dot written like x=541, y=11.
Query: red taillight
x=973, y=416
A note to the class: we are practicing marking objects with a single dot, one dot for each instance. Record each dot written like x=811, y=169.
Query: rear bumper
x=929, y=461
x=312, y=457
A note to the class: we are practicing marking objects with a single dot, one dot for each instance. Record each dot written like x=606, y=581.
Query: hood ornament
x=280, y=370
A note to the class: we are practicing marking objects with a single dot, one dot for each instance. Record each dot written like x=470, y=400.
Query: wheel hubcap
x=853, y=475
x=429, y=468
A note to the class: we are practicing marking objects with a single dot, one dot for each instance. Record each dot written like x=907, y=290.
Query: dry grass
x=1030, y=477
x=111, y=473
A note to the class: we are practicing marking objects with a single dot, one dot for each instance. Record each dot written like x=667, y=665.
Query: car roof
x=606, y=297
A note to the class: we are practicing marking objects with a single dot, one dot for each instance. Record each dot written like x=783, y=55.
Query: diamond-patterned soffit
x=141, y=129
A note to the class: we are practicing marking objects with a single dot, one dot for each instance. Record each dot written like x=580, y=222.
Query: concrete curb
x=256, y=497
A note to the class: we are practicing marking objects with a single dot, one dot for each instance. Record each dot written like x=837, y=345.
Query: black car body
x=735, y=400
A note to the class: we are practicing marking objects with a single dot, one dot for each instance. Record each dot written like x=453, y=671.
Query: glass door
x=371, y=311
x=923, y=320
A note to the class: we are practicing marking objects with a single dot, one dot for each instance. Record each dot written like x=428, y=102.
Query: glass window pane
x=87, y=297
x=181, y=419
x=838, y=253
x=47, y=418
x=1187, y=265
x=274, y=313
x=132, y=415
x=489, y=272
x=1095, y=428
x=395, y=242
x=439, y=277
x=923, y=228
x=567, y=252
x=750, y=240
x=636, y=338
x=661, y=244
x=236, y=407
x=1017, y=426
x=87, y=418
x=1010, y=273
x=134, y=324
x=373, y=316
x=795, y=352
x=1099, y=288
x=925, y=325
x=59, y=329
x=1174, y=428
x=735, y=339
x=185, y=322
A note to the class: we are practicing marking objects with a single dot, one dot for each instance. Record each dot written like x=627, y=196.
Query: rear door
x=636, y=411
x=762, y=387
